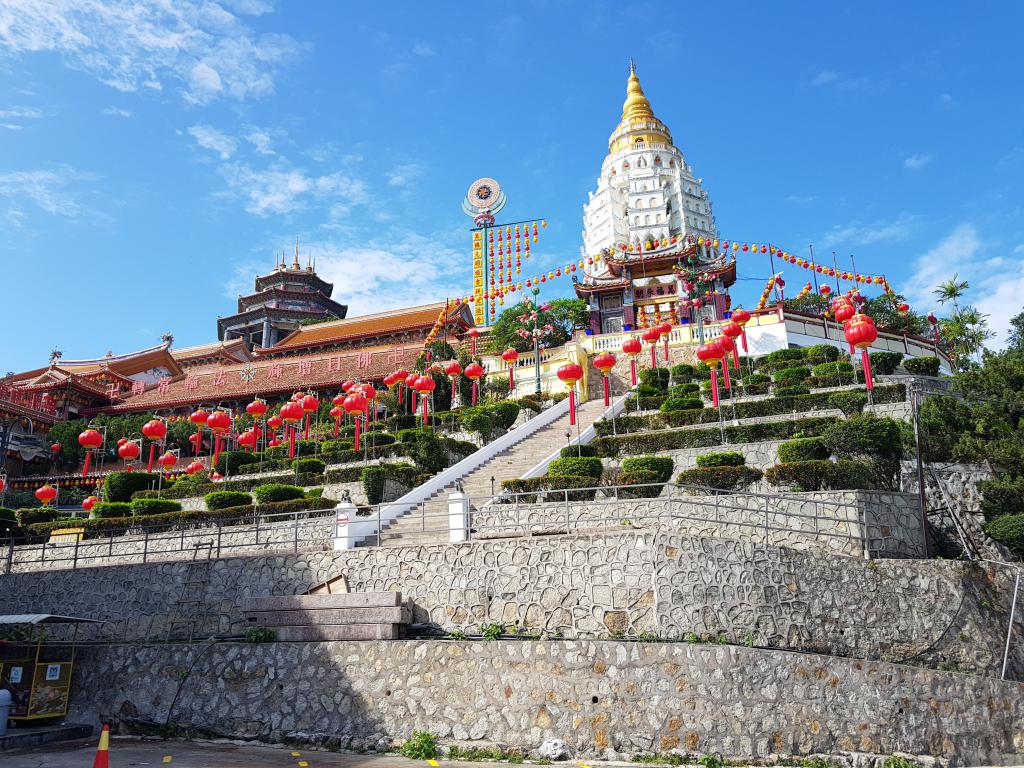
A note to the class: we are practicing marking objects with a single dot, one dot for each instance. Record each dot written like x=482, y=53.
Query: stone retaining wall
x=605, y=699
x=923, y=612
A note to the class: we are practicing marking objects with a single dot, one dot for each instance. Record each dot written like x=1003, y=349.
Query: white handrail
x=584, y=437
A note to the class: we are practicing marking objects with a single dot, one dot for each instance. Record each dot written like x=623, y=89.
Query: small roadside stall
x=37, y=669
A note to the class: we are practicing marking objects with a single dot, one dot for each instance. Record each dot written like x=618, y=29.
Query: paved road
x=132, y=753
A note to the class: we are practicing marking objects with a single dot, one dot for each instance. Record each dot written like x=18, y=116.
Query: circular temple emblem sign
x=483, y=193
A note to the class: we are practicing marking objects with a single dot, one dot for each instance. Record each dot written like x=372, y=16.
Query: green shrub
x=152, y=506
x=188, y=482
x=661, y=466
x=804, y=449
x=653, y=484
x=112, y=509
x=228, y=462
x=845, y=474
x=381, y=438
x=720, y=478
x=1009, y=531
x=655, y=377
x=504, y=414
x=26, y=517
x=119, y=486
x=8, y=523
x=571, y=451
x=922, y=366
x=780, y=358
x=551, y=488
x=757, y=378
x=373, y=479
x=259, y=635
x=791, y=390
x=722, y=459
x=878, y=440
x=427, y=452
x=409, y=435
x=478, y=420
x=646, y=390
x=684, y=390
x=681, y=404
x=849, y=403
x=277, y=492
x=723, y=393
x=841, y=368
x=576, y=466
x=885, y=363
x=422, y=746
x=683, y=372
x=222, y=499
x=309, y=466
x=792, y=375
x=1001, y=497
x=821, y=353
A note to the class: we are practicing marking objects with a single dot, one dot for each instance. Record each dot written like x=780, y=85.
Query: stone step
x=330, y=616
x=339, y=632
x=34, y=736
x=320, y=602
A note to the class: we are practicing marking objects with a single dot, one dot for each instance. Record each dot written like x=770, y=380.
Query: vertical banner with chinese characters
x=478, y=277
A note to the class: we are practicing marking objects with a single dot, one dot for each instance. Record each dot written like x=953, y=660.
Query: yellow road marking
x=296, y=754
x=584, y=765
x=167, y=758
x=303, y=764
x=433, y=762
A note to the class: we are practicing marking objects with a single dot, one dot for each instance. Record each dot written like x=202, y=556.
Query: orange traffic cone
x=103, y=750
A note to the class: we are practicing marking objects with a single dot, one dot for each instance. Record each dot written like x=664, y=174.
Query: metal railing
x=259, y=532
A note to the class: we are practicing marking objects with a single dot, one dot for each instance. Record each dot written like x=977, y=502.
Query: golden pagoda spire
x=295, y=262
x=636, y=104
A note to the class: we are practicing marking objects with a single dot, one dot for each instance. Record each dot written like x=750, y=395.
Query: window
x=654, y=202
x=657, y=159
x=641, y=163
x=647, y=219
x=638, y=144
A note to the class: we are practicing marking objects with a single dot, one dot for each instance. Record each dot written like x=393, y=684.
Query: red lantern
x=130, y=451
x=861, y=333
x=825, y=290
x=903, y=309
x=732, y=330
x=474, y=372
x=453, y=369
x=3, y=483
x=90, y=439
x=195, y=466
x=727, y=346
x=570, y=373
x=46, y=494
x=347, y=385
x=155, y=430
x=473, y=334
x=511, y=356
x=309, y=405
x=632, y=347
x=665, y=329
x=605, y=362
x=711, y=355
x=167, y=461
x=275, y=422
x=651, y=336
x=219, y=422
x=55, y=447
x=424, y=385
x=248, y=439
x=355, y=404
x=256, y=409
x=291, y=414
x=89, y=502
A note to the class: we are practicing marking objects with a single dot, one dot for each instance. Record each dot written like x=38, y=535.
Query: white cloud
x=116, y=112
x=423, y=49
x=281, y=190
x=199, y=46
x=50, y=190
x=825, y=77
x=210, y=138
x=956, y=251
x=800, y=198
x=404, y=175
x=11, y=126
x=24, y=113
x=260, y=141
x=946, y=101
x=832, y=79
x=917, y=162
x=856, y=233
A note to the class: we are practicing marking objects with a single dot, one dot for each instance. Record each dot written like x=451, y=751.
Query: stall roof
x=44, y=618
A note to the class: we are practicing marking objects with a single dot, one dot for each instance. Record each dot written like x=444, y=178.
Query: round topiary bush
x=845, y=474
x=720, y=478
x=277, y=492
x=661, y=466
x=309, y=466
x=112, y=509
x=229, y=461
x=153, y=506
x=722, y=459
x=848, y=402
x=885, y=363
x=683, y=373
x=684, y=390
x=922, y=366
x=650, y=484
x=570, y=451
x=681, y=404
x=1009, y=531
x=804, y=449
x=820, y=353
x=576, y=466
x=224, y=499
x=792, y=375
x=791, y=390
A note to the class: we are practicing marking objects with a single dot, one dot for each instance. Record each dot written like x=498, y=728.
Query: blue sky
x=154, y=156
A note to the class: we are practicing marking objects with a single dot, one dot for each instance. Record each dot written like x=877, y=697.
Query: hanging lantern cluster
x=91, y=440
x=861, y=333
x=154, y=430
x=805, y=291
x=437, y=327
x=774, y=280
x=741, y=317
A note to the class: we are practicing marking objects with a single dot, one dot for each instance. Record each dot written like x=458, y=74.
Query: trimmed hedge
x=804, y=449
x=820, y=353
x=848, y=402
x=791, y=390
x=845, y=474
x=277, y=492
x=722, y=459
x=681, y=404
x=922, y=366
x=1009, y=531
x=9, y=522
x=26, y=517
x=228, y=462
x=111, y=509
x=309, y=466
x=572, y=451
x=652, y=484
x=655, y=377
x=572, y=466
x=842, y=368
x=646, y=403
x=224, y=499
x=684, y=390
x=550, y=488
x=153, y=506
x=756, y=378
x=722, y=478
x=885, y=363
x=683, y=372
x=660, y=466
x=236, y=484
x=653, y=442
x=1003, y=496
x=373, y=479
x=119, y=486
x=792, y=375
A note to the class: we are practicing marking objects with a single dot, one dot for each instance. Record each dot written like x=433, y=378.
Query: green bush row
x=821, y=475
x=720, y=478
x=550, y=488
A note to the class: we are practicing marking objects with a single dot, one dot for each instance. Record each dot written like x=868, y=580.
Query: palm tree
x=951, y=290
x=966, y=333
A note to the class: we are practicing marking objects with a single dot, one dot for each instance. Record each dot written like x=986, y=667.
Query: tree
x=1016, y=338
x=563, y=316
x=965, y=333
x=951, y=290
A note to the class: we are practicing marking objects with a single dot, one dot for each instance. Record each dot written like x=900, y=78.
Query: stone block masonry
x=608, y=698
x=630, y=582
